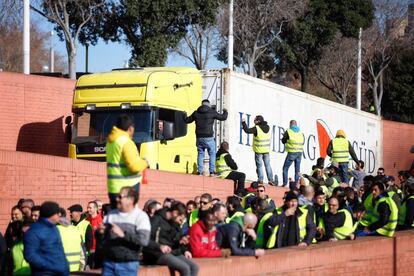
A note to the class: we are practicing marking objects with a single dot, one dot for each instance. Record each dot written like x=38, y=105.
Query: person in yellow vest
x=20, y=265
x=263, y=211
x=406, y=216
x=261, y=147
x=205, y=205
x=295, y=223
x=72, y=243
x=234, y=208
x=123, y=164
x=335, y=224
x=340, y=149
x=79, y=221
x=227, y=168
x=333, y=180
x=294, y=140
x=261, y=193
x=384, y=216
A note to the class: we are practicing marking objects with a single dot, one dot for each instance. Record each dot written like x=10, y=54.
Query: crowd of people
x=118, y=237
x=43, y=238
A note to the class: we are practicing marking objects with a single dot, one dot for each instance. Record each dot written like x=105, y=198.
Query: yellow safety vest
x=368, y=217
x=388, y=229
x=260, y=230
x=403, y=213
x=221, y=166
x=302, y=222
x=193, y=217
x=20, y=265
x=243, y=202
x=340, y=150
x=333, y=186
x=271, y=242
x=236, y=214
x=345, y=230
x=261, y=142
x=295, y=141
x=118, y=174
x=72, y=245
x=82, y=226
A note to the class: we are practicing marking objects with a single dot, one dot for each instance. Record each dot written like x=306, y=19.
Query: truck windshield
x=94, y=127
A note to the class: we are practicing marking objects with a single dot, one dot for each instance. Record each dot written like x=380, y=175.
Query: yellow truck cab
x=157, y=98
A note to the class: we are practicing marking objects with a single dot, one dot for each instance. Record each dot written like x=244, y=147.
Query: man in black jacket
x=166, y=246
x=239, y=236
x=296, y=225
x=227, y=168
x=204, y=118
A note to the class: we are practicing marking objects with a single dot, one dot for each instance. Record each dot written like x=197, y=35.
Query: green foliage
x=151, y=27
x=304, y=39
x=398, y=102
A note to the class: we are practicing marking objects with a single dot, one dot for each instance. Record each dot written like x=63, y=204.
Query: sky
x=107, y=56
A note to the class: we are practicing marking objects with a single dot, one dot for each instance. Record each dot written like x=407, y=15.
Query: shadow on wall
x=44, y=138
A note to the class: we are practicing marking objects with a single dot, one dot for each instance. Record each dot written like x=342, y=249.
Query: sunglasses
x=204, y=202
x=260, y=191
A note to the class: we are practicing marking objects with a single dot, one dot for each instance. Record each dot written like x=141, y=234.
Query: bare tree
x=337, y=68
x=257, y=24
x=10, y=12
x=70, y=16
x=197, y=45
x=11, y=52
x=381, y=43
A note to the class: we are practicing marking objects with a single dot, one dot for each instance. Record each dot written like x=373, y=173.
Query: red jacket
x=95, y=223
x=203, y=241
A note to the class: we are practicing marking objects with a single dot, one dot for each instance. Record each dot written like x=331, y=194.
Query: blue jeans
x=202, y=144
x=343, y=171
x=258, y=157
x=111, y=268
x=290, y=157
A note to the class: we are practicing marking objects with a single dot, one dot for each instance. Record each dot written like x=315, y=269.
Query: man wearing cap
x=261, y=147
x=295, y=223
x=123, y=164
x=294, y=140
x=43, y=248
x=204, y=118
x=339, y=149
x=79, y=221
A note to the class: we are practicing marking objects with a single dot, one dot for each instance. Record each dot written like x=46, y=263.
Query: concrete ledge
x=364, y=256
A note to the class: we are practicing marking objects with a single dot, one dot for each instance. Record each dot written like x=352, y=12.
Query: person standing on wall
x=294, y=140
x=204, y=118
x=123, y=164
x=261, y=146
x=339, y=149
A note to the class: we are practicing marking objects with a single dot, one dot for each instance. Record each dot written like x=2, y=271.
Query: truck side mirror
x=168, y=130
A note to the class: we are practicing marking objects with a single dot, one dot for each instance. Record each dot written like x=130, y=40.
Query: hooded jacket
x=43, y=249
x=232, y=236
x=263, y=125
x=229, y=160
x=204, y=118
x=129, y=152
x=203, y=242
x=163, y=232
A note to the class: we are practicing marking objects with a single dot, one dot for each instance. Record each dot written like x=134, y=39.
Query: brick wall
x=361, y=257
x=32, y=112
x=69, y=181
x=398, y=138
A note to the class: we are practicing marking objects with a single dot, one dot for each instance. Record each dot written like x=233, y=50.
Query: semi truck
x=156, y=98
x=160, y=97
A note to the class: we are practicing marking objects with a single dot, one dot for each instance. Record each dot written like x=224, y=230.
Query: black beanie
x=290, y=195
x=48, y=209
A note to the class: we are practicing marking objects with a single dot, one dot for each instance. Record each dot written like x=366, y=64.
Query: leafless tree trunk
x=337, y=68
x=257, y=24
x=197, y=45
x=58, y=12
x=381, y=42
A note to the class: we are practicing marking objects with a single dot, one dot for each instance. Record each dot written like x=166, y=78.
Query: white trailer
x=319, y=119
